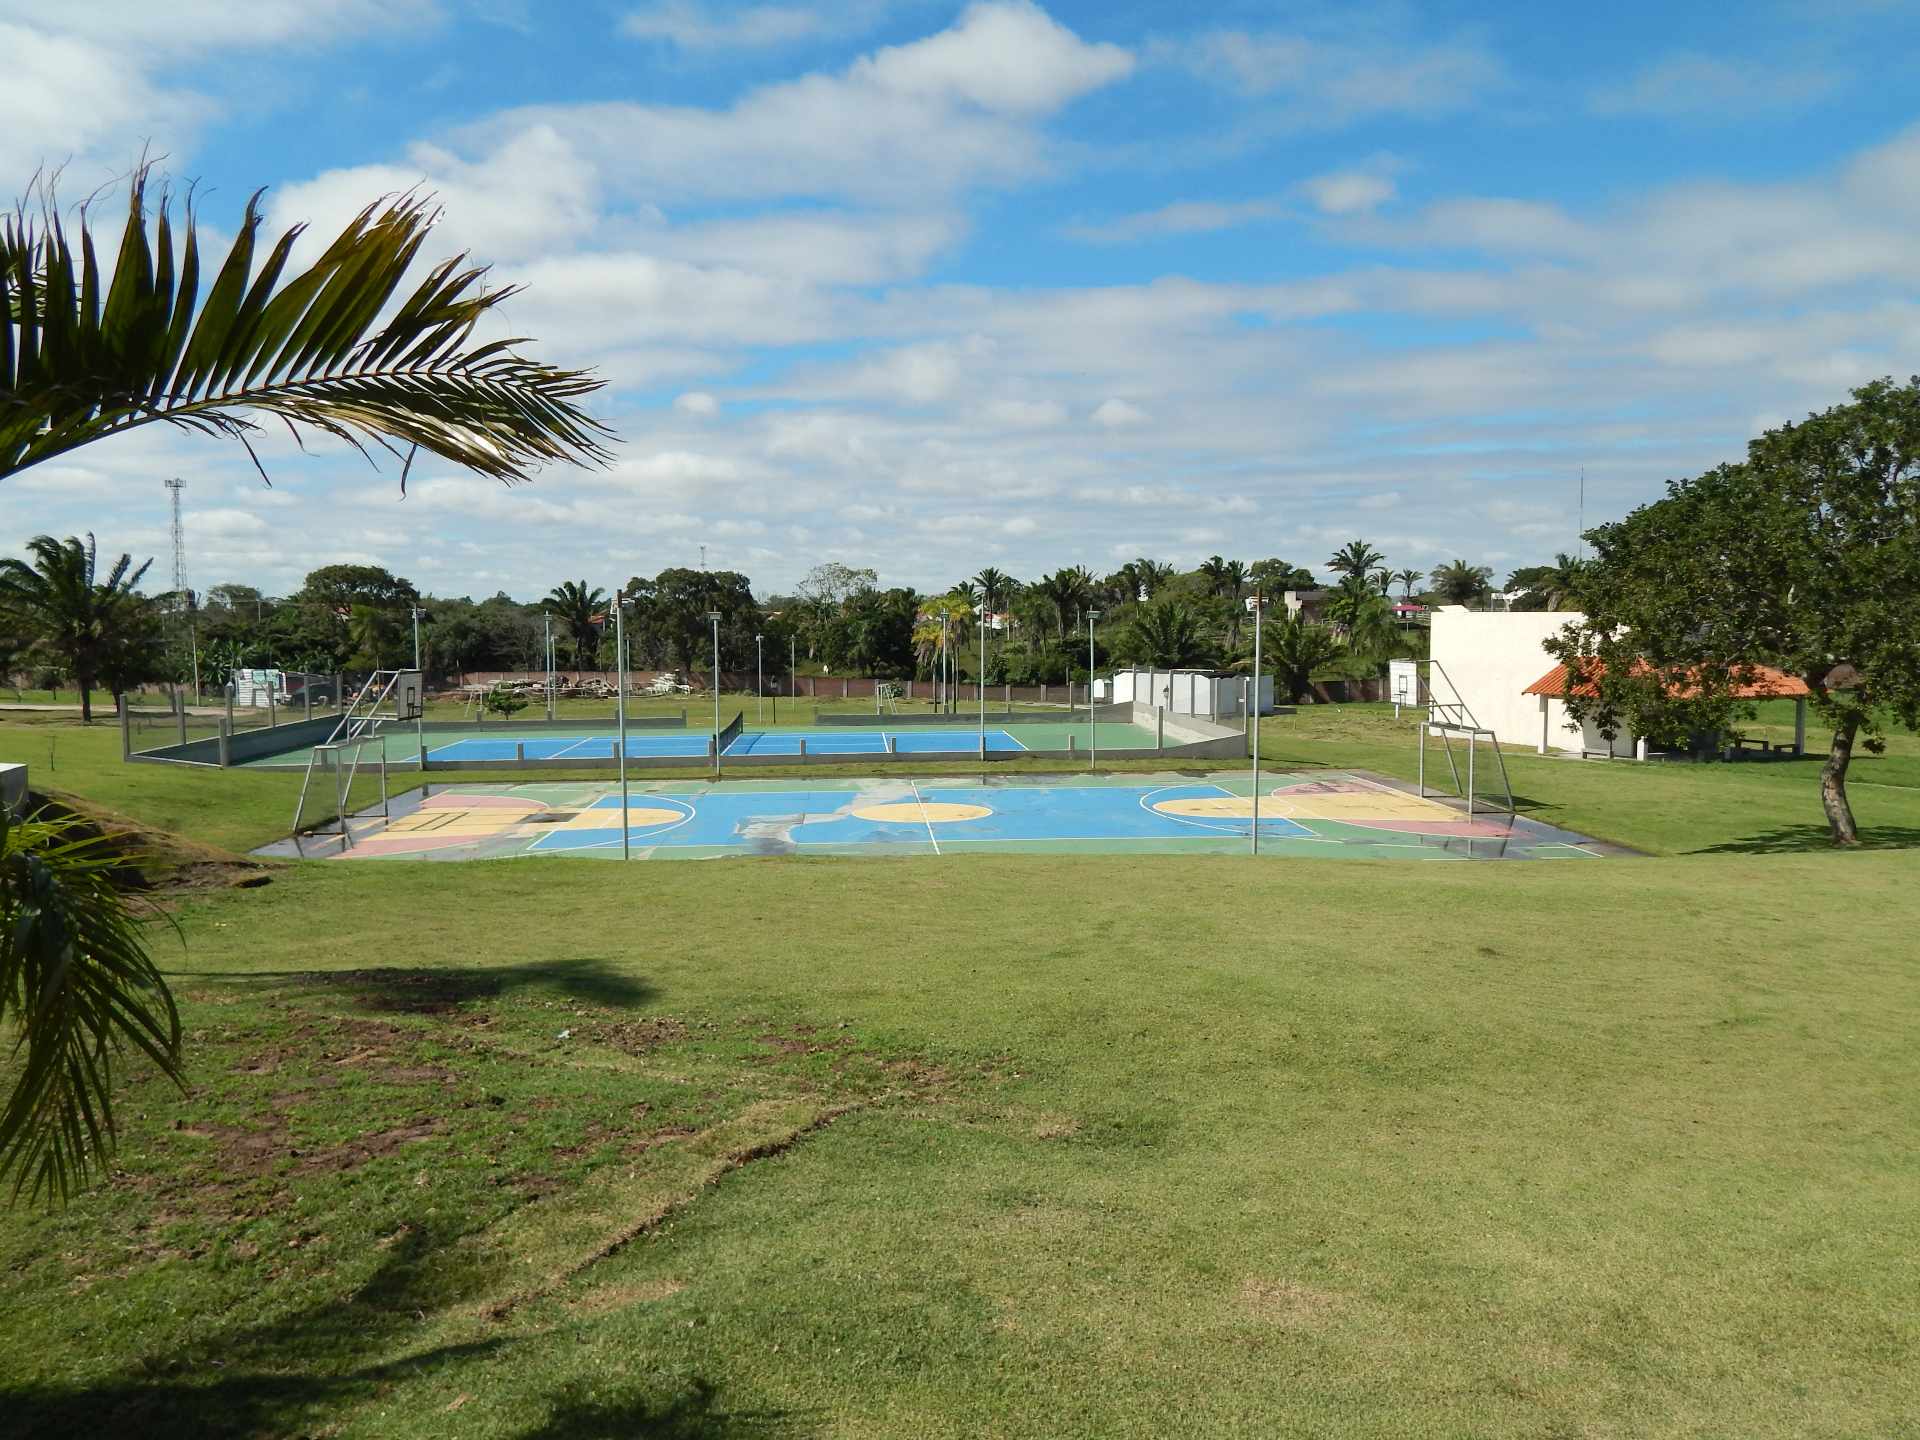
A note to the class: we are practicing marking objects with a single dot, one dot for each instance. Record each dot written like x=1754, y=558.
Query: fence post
x=273, y=711
x=126, y=731
x=229, y=709
x=180, y=711
x=520, y=751
x=983, y=747
x=339, y=690
x=226, y=742
x=1006, y=698
x=803, y=749
x=843, y=687
x=306, y=693
x=1072, y=744
x=1159, y=727
x=893, y=744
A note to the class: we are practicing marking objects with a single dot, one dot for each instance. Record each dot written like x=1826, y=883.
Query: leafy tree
x=504, y=701
x=1458, y=583
x=340, y=587
x=1296, y=647
x=63, y=604
x=1168, y=635
x=1274, y=576
x=673, y=608
x=376, y=638
x=582, y=612
x=1805, y=557
x=95, y=352
x=1548, y=587
x=1356, y=557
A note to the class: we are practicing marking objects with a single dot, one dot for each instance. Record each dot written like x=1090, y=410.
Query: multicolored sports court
x=1343, y=814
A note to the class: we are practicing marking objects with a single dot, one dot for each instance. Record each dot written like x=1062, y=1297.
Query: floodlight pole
x=1093, y=728
x=714, y=616
x=760, y=678
x=1259, y=606
x=620, y=712
x=983, y=679
x=415, y=612
x=793, y=673
x=548, y=618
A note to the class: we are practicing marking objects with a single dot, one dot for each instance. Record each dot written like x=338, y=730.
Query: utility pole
x=182, y=596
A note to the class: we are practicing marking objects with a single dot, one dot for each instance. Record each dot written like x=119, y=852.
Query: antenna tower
x=182, y=601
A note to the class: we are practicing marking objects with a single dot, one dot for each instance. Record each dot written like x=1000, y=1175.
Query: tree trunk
x=85, y=683
x=1833, y=782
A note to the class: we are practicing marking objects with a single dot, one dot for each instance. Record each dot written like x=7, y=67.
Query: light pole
x=760, y=678
x=793, y=673
x=982, y=687
x=620, y=712
x=1093, y=728
x=714, y=616
x=1259, y=606
x=548, y=653
x=416, y=612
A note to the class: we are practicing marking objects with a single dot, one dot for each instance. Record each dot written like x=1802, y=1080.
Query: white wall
x=1486, y=660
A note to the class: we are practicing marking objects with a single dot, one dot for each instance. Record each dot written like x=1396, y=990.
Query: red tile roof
x=1769, y=684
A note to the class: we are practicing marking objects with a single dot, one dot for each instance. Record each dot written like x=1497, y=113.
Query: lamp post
x=547, y=652
x=793, y=672
x=416, y=612
x=620, y=713
x=714, y=617
x=1093, y=728
x=1259, y=606
x=760, y=678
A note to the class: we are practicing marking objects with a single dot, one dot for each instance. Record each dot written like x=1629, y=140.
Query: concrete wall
x=1487, y=659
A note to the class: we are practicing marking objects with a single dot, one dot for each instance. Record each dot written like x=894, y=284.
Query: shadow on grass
x=438, y=989
x=299, y=1374
x=1805, y=839
x=694, y=1414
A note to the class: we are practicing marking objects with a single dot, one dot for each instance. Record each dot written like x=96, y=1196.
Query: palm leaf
x=77, y=987
x=312, y=351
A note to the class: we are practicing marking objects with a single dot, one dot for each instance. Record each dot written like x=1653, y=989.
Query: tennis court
x=749, y=742
x=1341, y=814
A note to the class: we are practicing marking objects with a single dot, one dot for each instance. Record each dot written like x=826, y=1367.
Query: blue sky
x=928, y=287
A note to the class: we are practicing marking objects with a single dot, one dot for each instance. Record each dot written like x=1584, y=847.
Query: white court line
x=1009, y=735
x=562, y=752
x=923, y=816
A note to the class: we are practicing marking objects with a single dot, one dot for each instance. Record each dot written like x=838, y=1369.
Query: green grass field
x=1020, y=1147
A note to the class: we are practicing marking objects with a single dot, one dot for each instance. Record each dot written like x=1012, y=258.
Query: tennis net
x=731, y=733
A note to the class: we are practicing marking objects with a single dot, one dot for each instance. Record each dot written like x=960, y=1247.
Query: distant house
x=1305, y=604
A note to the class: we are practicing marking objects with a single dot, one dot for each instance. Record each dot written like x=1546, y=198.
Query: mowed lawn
x=1022, y=1146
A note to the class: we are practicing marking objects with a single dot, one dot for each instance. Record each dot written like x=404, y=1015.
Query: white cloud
x=1708, y=87
x=1185, y=217
x=1114, y=413
x=1348, y=192
x=1346, y=75
x=697, y=27
x=698, y=403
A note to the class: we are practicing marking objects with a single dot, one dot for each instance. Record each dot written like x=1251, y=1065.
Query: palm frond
x=78, y=988
x=311, y=351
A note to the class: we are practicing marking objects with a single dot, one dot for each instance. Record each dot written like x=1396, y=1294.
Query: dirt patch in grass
x=636, y=1037
x=164, y=864
x=618, y=1297
x=1283, y=1302
x=358, y=1151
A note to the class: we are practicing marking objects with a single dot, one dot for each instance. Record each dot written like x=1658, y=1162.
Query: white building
x=1188, y=692
x=1484, y=660
x=1495, y=665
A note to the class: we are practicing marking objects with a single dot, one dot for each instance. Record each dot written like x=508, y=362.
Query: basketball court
x=1327, y=815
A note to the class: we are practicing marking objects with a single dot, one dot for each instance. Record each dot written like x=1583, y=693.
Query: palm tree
x=68, y=609
x=1153, y=575
x=1213, y=570
x=1348, y=604
x=1559, y=584
x=1407, y=579
x=993, y=587
x=1167, y=635
x=1382, y=580
x=1296, y=647
x=93, y=352
x=1459, y=583
x=77, y=987
x=582, y=613
x=1356, y=557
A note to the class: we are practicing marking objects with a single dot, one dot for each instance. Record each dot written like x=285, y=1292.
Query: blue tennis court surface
x=750, y=742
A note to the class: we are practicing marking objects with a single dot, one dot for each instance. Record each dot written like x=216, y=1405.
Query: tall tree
x=1406, y=580
x=1274, y=576
x=94, y=351
x=1356, y=557
x=1549, y=587
x=1458, y=583
x=581, y=611
x=61, y=601
x=1296, y=647
x=1167, y=634
x=1805, y=558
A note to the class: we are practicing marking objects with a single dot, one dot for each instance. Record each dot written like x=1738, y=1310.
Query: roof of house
x=1768, y=684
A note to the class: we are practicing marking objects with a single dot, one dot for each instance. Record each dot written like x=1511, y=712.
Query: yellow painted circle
x=913, y=812
x=638, y=818
x=1213, y=807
